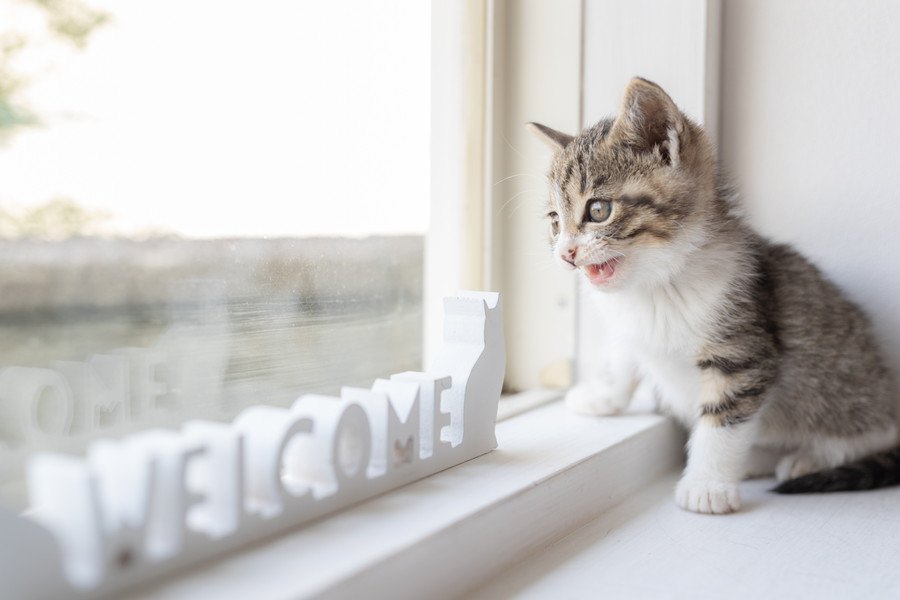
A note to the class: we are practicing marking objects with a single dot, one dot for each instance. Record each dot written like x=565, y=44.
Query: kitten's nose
x=568, y=255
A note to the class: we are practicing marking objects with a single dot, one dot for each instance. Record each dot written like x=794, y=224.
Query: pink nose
x=568, y=256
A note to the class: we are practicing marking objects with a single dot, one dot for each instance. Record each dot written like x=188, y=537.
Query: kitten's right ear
x=648, y=120
x=557, y=140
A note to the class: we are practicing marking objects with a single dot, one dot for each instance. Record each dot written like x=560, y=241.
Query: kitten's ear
x=557, y=140
x=648, y=119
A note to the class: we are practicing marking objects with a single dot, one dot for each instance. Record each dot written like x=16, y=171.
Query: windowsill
x=442, y=536
x=512, y=405
x=823, y=546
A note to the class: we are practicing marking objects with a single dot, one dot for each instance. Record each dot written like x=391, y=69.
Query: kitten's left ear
x=557, y=140
x=648, y=119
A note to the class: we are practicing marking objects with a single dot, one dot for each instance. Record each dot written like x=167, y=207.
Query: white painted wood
x=821, y=546
x=536, y=49
x=675, y=44
x=497, y=64
x=516, y=404
x=136, y=508
x=455, y=246
x=438, y=537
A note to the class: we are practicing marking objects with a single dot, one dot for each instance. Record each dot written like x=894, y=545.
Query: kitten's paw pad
x=595, y=398
x=708, y=497
x=795, y=465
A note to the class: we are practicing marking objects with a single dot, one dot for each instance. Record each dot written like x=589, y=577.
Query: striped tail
x=876, y=471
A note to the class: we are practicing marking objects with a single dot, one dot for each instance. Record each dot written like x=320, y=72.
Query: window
x=202, y=208
x=246, y=222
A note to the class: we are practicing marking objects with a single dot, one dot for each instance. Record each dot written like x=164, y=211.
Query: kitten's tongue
x=600, y=274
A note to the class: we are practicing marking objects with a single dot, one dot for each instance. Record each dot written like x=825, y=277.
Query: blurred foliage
x=58, y=219
x=10, y=83
x=69, y=21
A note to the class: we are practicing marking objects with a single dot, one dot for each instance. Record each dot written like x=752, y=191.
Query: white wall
x=810, y=128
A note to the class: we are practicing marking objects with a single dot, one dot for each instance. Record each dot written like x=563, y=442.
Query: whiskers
x=496, y=183
x=540, y=193
x=598, y=251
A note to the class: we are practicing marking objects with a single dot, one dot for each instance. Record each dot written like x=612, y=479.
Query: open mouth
x=601, y=273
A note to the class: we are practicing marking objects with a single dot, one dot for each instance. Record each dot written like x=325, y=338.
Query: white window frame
x=497, y=65
x=492, y=66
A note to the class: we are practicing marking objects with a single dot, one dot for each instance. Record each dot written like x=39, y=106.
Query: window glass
x=203, y=206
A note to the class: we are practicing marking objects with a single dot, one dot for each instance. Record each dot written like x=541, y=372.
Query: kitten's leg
x=716, y=464
x=825, y=452
x=608, y=392
x=720, y=443
x=761, y=462
x=797, y=464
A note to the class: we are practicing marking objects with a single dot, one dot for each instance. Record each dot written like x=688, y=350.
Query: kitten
x=745, y=341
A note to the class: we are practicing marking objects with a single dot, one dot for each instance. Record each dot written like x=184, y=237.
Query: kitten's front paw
x=596, y=398
x=706, y=496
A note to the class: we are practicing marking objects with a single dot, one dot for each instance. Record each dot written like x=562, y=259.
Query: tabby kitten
x=744, y=340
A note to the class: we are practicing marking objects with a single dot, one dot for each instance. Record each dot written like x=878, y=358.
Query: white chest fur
x=662, y=331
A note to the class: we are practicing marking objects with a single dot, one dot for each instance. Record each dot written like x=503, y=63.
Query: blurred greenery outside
x=69, y=22
x=56, y=220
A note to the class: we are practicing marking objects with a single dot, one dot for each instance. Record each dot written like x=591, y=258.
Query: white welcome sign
x=135, y=508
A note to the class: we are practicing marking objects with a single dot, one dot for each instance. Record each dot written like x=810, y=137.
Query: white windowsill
x=515, y=404
x=447, y=534
x=821, y=546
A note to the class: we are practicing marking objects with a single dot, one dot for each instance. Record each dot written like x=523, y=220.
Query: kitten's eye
x=599, y=210
x=554, y=223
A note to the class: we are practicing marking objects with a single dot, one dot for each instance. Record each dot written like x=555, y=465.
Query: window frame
x=572, y=48
x=480, y=52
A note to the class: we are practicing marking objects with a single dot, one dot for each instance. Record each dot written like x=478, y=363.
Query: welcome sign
x=135, y=508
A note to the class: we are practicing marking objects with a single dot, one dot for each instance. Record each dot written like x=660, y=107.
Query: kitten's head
x=631, y=198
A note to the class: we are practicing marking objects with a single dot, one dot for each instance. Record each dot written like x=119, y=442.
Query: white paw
x=707, y=496
x=596, y=398
x=795, y=465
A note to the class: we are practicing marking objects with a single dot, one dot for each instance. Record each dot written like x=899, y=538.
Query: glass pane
x=203, y=207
